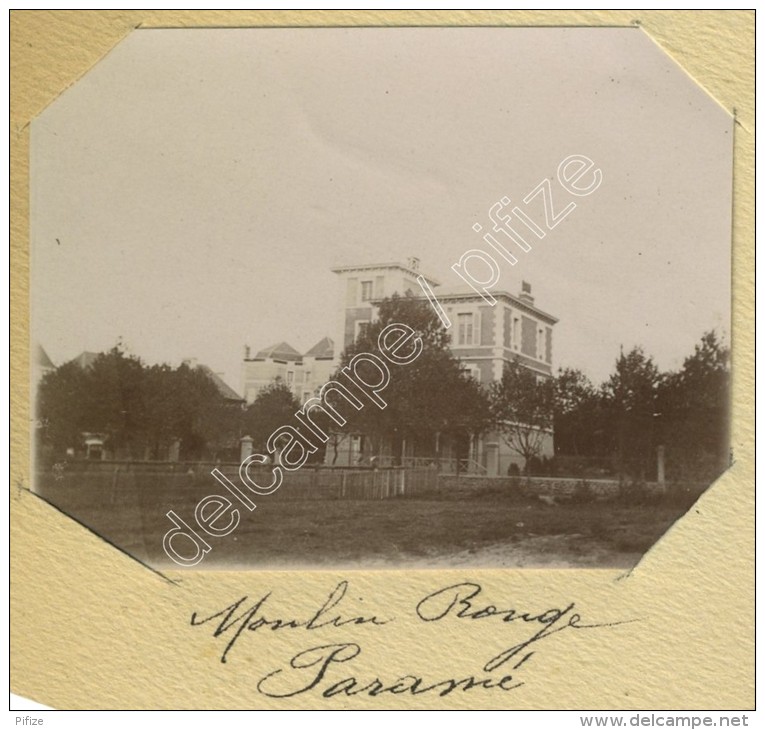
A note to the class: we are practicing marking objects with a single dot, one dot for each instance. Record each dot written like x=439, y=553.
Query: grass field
x=467, y=526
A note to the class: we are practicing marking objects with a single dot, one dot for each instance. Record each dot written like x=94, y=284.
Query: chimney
x=246, y=352
x=525, y=295
x=414, y=263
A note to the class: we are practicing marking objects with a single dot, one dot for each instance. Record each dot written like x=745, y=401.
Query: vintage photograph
x=380, y=298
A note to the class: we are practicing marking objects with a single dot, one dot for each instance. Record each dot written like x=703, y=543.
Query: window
x=465, y=329
x=366, y=291
x=357, y=447
x=540, y=344
x=307, y=375
x=290, y=377
x=516, y=333
x=474, y=372
x=361, y=328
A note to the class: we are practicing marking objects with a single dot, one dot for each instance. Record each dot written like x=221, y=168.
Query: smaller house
x=303, y=374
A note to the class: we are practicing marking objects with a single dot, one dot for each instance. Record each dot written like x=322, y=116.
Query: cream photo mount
x=676, y=631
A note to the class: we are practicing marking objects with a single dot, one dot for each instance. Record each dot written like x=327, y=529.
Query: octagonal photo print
x=381, y=297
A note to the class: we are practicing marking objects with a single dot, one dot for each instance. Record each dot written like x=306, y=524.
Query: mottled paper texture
x=92, y=628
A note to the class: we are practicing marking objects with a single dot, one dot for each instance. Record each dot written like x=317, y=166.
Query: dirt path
x=549, y=551
x=544, y=551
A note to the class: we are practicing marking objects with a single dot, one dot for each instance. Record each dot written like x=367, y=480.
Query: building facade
x=303, y=374
x=483, y=337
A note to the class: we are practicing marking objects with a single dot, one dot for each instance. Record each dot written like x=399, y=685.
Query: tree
x=335, y=437
x=62, y=409
x=115, y=402
x=576, y=412
x=273, y=407
x=426, y=399
x=163, y=417
x=694, y=404
x=630, y=402
x=522, y=406
x=639, y=408
x=184, y=405
x=105, y=398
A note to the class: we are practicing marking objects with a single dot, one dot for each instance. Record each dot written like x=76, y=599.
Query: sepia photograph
x=381, y=298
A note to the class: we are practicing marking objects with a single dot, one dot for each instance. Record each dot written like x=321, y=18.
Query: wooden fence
x=309, y=483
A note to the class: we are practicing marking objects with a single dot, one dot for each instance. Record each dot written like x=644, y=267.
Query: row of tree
x=432, y=404
x=140, y=411
x=618, y=424
x=145, y=411
x=639, y=409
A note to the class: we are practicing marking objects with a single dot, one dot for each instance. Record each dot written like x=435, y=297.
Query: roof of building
x=412, y=270
x=86, y=359
x=457, y=293
x=280, y=351
x=223, y=387
x=324, y=349
x=41, y=358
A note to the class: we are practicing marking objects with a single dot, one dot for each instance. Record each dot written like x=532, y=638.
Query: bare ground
x=488, y=527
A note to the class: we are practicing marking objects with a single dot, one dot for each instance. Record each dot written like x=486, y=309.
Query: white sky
x=191, y=192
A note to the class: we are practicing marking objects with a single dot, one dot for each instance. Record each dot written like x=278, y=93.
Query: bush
x=583, y=467
x=582, y=493
x=635, y=493
x=519, y=491
x=534, y=466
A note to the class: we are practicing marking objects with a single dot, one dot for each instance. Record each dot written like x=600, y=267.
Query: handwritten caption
x=325, y=669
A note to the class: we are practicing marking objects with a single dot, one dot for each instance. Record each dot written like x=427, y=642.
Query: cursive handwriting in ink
x=458, y=600
x=335, y=670
x=314, y=665
x=236, y=619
